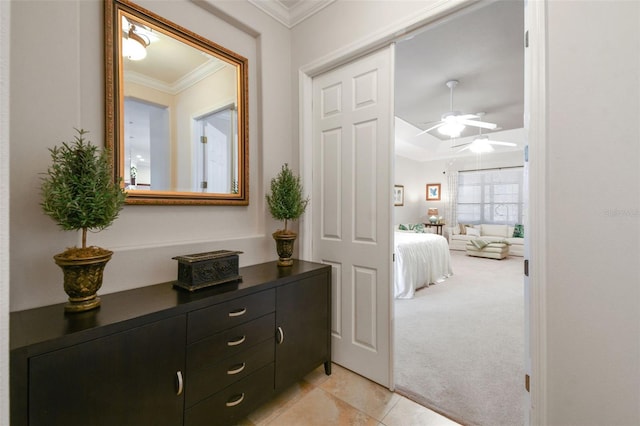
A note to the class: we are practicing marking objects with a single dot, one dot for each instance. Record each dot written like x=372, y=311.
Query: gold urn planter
x=284, y=246
x=82, y=278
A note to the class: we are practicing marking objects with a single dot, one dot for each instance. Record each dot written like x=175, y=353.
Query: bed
x=420, y=259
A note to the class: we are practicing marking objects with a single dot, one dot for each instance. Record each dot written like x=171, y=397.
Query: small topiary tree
x=79, y=191
x=286, y=201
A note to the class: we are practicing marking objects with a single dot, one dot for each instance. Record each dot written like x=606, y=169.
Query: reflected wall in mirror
x=176, y=111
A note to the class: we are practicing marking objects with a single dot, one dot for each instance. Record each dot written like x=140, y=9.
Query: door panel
x=352, y=162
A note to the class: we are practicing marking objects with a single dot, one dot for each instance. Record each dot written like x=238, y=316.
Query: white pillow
x=473, y=232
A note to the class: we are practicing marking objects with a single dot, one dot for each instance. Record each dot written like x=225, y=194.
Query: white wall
x=410, y=174
x=57, y=84
x=5, y=9
x=593, y=213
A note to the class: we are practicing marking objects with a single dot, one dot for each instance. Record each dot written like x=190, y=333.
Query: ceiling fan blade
x=467, y=116
x=430, y=129
x=465, y=148
x=482, y=124
x=502, y=143
x=462, y=144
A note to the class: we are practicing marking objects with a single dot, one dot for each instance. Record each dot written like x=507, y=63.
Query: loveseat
x=460, y=235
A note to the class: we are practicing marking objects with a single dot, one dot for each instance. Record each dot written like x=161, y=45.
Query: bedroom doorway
x=483, y=294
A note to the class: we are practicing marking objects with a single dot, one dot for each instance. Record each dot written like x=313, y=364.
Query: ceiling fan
x=482, y=143
x=452, y=123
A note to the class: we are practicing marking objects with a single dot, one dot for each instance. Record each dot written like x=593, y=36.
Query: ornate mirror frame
x=114, y=12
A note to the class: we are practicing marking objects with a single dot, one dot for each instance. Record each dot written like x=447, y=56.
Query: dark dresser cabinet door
x=128, y=378
x=302, y=328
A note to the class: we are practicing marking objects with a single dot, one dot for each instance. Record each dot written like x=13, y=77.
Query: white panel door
x=351, y=199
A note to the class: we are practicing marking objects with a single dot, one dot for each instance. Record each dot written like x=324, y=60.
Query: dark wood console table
x=162, y=356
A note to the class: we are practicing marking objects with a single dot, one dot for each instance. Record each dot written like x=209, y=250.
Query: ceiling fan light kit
x=480, y=146
x=453, y=123
x=451, y=126
x=134, y=46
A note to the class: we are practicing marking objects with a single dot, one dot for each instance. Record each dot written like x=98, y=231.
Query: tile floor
x=344, y=398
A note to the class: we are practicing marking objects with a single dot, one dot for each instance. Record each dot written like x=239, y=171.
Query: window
x=491, y=196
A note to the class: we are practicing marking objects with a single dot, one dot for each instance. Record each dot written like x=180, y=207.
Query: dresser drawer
x=229, y=342
x=234, y=402
x=211, y=378
x=208, y=321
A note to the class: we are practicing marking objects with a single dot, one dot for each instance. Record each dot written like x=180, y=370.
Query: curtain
x=451, y=208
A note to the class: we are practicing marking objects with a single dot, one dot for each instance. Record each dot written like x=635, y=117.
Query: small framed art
x=398, y=195
x=433, y=192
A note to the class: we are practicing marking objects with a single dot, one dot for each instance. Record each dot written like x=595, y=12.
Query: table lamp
x=433, y=215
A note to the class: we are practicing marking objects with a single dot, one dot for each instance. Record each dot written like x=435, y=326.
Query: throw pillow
x=518, y=231
x=419, y=228
x=463, y=229
x=473, y=232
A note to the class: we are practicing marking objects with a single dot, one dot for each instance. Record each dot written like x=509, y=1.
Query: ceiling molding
x=290, y=12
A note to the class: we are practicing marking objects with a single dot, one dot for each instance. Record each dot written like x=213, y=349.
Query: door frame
x=535, y=125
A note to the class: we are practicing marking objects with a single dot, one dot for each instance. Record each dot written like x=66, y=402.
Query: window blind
x=491, y=196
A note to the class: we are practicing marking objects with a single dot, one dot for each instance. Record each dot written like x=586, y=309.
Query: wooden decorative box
x=200, y=270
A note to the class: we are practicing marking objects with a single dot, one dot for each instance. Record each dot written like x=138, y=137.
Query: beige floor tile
x=278, y=405
x=317, y=376
x=319, y=408
x=409, y=413
x=361, y=393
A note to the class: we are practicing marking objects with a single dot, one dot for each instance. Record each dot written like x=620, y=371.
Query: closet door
x=352, y=188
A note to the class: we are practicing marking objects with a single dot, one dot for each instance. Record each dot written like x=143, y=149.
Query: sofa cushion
x=473, y=232
x=494, y=230
x=460, y=237
x=515, y=241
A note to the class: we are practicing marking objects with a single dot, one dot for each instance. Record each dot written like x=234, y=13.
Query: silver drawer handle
x=180, y=382
x=238, y=399
x=236, y=369
x=237, y=342
x=238, y=312
x=280, y=337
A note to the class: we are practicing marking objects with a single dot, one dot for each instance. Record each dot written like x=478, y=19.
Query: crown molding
x=290, y=12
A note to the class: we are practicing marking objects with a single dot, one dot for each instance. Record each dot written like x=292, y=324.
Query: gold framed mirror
x=176, y=111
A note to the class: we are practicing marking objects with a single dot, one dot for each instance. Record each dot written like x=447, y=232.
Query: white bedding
x=420, y=260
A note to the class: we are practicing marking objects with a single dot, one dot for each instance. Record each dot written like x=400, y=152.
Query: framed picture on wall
x=433, y=192
x=398, y=195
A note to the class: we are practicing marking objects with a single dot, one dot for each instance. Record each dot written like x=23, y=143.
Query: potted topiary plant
x=286, y=202
x=79, y=192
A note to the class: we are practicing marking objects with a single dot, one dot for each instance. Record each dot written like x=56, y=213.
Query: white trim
x=305, y=130
x=5, y=31
x=536, y=114
x=391, y=207
x=384, y=36
x=290, y=16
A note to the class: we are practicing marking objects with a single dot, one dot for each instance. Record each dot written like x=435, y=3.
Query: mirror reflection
x=180, y=115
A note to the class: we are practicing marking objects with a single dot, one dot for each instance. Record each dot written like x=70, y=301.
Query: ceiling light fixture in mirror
x=176, y=111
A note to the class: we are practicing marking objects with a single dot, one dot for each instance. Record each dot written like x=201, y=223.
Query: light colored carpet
x=459, y=345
